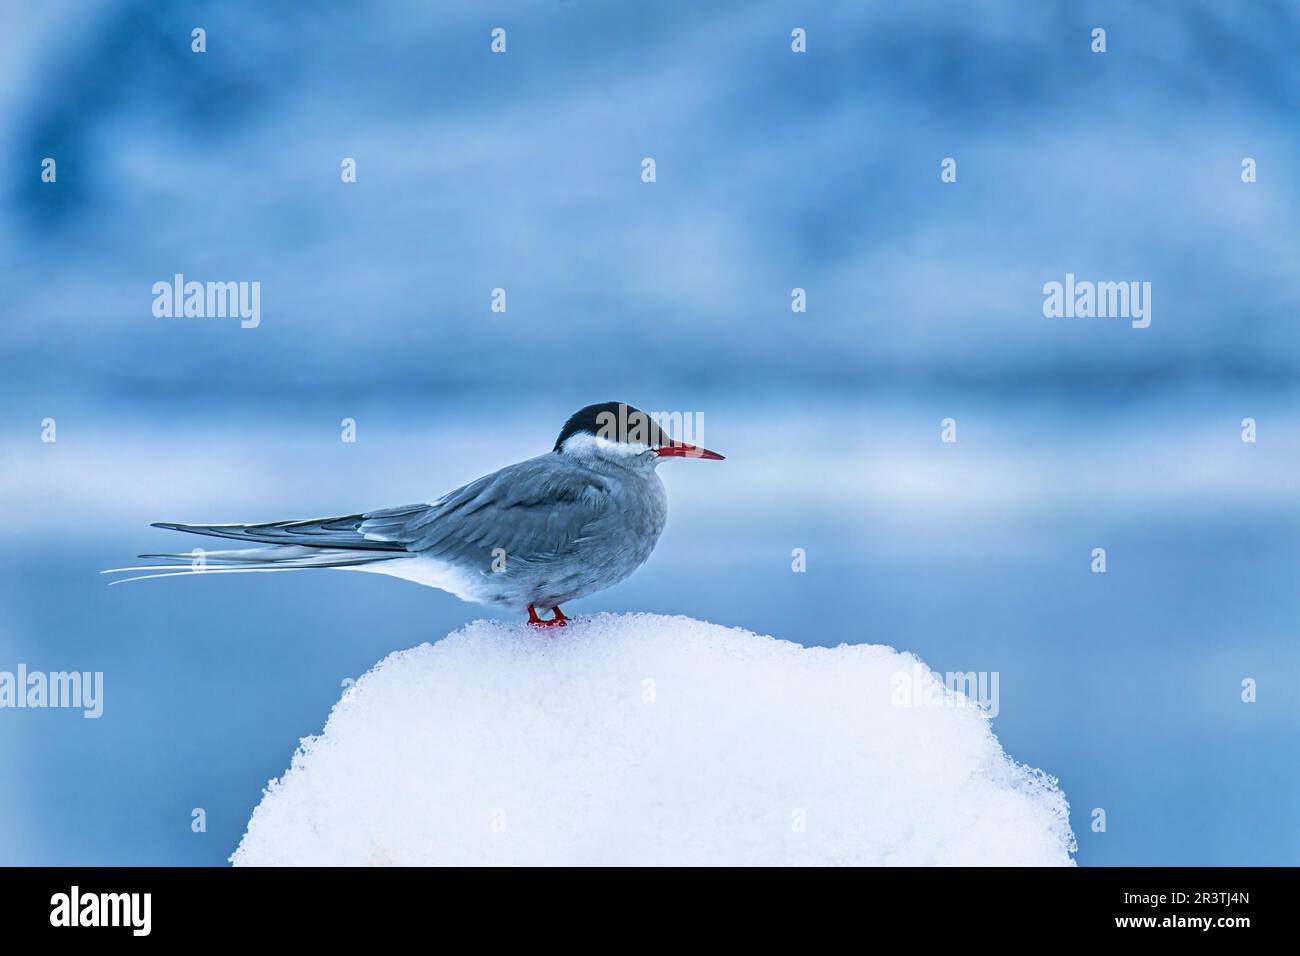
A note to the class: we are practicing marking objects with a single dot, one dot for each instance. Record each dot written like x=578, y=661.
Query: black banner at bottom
x=333, y=905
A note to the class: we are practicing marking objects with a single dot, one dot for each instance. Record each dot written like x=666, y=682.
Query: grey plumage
x=538, y=533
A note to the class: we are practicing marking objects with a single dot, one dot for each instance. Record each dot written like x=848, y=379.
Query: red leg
x=559, y=620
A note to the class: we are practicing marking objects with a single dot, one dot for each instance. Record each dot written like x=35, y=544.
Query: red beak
x=679, y=449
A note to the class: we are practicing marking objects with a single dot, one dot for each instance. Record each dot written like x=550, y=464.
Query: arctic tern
x=536, y=534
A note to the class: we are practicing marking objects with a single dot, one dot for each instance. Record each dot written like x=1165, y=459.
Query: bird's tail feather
x=274, y=558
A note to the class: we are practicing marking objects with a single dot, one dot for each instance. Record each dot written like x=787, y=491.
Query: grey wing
x=534, y=511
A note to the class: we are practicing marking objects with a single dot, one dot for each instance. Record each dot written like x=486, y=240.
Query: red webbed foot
x=559, y=620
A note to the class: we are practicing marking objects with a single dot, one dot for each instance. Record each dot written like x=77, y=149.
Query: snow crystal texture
x=641, y=739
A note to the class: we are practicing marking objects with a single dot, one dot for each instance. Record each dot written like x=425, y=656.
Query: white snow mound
x=642, y=739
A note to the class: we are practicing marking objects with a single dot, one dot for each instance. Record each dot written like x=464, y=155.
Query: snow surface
x=642, y=739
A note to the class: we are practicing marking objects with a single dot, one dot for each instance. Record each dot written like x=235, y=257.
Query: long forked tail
x=288, y=546
x=274, y=558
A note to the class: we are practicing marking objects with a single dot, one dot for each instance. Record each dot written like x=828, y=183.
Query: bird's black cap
x=616, y=421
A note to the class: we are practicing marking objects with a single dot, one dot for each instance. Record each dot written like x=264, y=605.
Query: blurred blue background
x=774, y=170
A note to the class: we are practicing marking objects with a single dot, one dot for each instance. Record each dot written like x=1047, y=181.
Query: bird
x=532, y=536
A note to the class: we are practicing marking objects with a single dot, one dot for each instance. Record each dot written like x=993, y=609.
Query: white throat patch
x=587, y=445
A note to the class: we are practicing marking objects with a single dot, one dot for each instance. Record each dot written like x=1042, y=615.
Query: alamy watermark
x=71, y=689
x=650, y=428
x=1101, y=300
x=209, y=300
x=922, y=687
x=130, y=910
